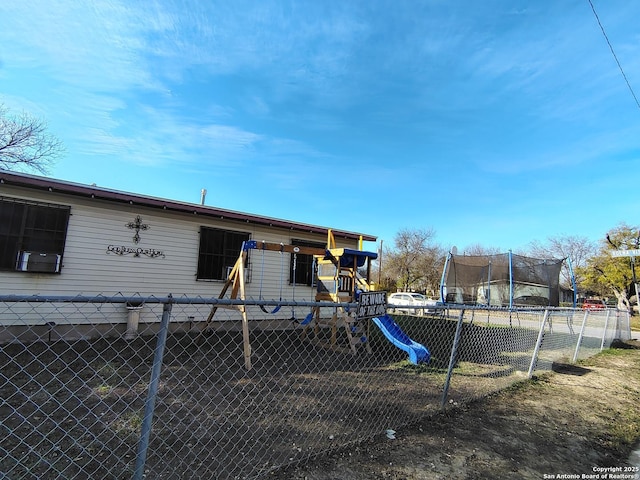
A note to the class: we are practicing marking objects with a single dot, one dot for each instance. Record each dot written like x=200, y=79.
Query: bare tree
x=480, y=250
x=415, y=262
x=25, y=143
x=577, y=249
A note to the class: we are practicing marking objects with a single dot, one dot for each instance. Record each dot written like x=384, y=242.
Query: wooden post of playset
x=243, y=310
x=236, y=282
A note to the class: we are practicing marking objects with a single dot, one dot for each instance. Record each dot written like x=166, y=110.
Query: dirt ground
x=579, y=421
x=74, y=410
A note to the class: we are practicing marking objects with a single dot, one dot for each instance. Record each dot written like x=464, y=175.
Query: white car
x=409, y=302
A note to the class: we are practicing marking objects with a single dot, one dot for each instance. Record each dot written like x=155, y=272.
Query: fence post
x=536, y=350
x=452, y=359
x=149, y=406
x=628, y=325
x=584, y=322
x=604, y=334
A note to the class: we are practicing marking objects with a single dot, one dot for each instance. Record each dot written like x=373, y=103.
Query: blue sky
x=491, y=122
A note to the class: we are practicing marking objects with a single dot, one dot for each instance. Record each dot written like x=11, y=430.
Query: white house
x=59, y=238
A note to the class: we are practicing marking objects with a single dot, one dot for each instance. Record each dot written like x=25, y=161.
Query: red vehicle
x=592, y=304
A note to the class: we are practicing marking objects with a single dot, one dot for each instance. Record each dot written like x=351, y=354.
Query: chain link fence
x=130, y=387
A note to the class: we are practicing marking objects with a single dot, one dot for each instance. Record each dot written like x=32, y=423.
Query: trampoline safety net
x=501, y=280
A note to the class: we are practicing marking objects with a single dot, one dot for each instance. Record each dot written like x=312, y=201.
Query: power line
x=614, y=54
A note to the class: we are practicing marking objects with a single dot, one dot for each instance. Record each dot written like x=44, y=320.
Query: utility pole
x=380, y=264
x=633, y=272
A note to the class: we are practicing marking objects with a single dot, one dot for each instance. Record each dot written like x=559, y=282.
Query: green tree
x=605, y=274
x=25, y=143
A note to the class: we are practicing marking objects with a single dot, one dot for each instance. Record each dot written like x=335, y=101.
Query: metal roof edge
x=93, y=191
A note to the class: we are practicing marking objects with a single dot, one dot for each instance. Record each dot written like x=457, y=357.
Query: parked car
x=593, y=304
x=611, y=303
x=410, y=302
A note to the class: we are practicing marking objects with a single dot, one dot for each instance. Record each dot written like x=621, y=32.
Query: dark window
x=32, y=235
x=219, y=251
x=304, y=264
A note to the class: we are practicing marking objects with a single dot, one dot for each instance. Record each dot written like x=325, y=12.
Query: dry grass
x=568, y=421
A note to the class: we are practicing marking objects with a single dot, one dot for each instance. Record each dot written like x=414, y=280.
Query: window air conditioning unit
x=38, y=262
x=247, y=277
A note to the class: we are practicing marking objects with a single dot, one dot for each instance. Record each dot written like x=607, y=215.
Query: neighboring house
x=65, y=239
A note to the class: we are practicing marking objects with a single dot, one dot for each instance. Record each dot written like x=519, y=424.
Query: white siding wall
x=88, y=269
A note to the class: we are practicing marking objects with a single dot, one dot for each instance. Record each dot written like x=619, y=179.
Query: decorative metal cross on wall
x=137, y=225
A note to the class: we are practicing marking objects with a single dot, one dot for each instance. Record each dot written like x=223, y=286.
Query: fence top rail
x=139, y=300
x=134, y=301
x=494, y=308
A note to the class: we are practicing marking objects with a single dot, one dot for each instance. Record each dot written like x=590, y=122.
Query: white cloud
x=88, y=45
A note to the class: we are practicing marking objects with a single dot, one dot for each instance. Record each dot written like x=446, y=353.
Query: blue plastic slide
x=418, y=353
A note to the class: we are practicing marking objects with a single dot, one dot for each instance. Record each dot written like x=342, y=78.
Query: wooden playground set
x=337, y=281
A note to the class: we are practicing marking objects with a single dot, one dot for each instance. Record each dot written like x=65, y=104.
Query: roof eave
x=91, y=191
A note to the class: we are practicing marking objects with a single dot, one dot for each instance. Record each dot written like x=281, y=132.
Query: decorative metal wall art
x=136, y=252
x=137, y=225
x=122, y=250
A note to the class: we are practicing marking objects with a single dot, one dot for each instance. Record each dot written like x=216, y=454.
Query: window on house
x=32, y=235
x=219, y=251
x=305, y=266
